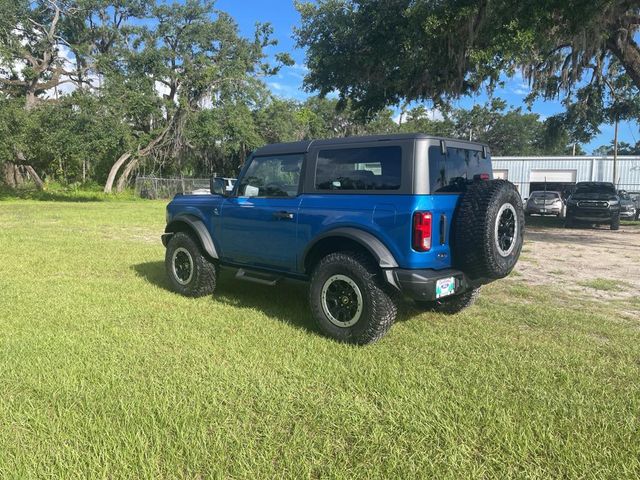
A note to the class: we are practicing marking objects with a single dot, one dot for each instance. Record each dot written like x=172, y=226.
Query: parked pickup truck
x=593, y=203
x=364, y=220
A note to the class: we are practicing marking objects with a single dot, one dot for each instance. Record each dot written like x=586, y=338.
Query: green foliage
x=377, y=53
x=508, y=132
x=624, y=148
x=176, y=87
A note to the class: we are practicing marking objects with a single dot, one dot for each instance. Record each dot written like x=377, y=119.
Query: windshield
x=595, y=188
x=545, y=195
x=624, y=195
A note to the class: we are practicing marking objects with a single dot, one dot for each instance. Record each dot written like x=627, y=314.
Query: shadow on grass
x=286, y=302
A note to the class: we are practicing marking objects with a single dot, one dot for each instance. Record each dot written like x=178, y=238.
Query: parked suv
x=635, y=197
x=627, y=205
x=545, y=203
x=364, y=220
x=593, y=203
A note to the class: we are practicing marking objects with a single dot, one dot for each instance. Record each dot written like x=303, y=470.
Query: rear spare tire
x=488, y=230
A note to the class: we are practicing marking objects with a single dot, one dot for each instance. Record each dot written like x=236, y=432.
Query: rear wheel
x=189, y=271
x=349, y=299
x=451, y=305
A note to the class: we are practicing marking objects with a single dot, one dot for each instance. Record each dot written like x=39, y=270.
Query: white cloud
x=300, y=67
x=277, y=86
x=286, y=91
x=297, y=70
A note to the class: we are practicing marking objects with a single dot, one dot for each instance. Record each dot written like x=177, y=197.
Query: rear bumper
x=543, y=210
x=421, y=284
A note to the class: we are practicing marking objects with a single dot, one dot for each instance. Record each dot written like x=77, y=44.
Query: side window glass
x=372, y=168
x=276, y=176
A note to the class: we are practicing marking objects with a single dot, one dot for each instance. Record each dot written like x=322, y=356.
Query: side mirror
x=217, y=186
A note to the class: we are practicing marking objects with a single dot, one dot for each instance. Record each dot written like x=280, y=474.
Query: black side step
x=257, y=277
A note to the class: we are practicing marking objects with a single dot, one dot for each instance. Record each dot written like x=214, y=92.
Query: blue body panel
x=387, y=217
x=253, y=232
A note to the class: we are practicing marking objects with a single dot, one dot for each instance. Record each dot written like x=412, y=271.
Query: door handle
x=282, y=215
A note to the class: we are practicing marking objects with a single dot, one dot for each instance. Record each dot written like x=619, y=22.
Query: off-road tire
x=615, y=223
x=474, y=245
x=205, y=274
x=379, y=307
x=450, y=305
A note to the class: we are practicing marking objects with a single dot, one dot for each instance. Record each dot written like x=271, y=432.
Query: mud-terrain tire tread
x=472, y=241
x=379, y=309
x=451, y=305
x=205, y=273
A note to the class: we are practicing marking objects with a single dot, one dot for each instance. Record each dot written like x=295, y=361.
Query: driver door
x=259, y=223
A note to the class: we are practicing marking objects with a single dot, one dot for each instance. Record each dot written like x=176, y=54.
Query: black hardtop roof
x=305, y=145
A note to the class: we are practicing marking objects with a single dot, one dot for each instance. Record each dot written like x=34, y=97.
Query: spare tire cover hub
x=506, y=229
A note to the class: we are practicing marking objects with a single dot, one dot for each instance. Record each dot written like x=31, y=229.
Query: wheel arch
x=195, y=226
x=341, y=239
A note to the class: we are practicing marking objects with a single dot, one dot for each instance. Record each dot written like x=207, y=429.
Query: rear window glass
x=448, y=173
x=545, y=195
x=372, y=168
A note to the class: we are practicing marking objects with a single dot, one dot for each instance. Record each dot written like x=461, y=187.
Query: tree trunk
x=175, y=119
x=31, y=100
x=114, y=171
x=35, y=177
x=11, y=175
x=124, y=178
x=627, y=52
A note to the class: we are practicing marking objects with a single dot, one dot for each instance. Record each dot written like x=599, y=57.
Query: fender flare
x=197, y=226
x=378, y=249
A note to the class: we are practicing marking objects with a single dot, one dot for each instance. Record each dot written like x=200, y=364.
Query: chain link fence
x=156, y=187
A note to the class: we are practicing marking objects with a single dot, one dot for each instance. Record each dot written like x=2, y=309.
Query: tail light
x=421, y=238
x=481, y=176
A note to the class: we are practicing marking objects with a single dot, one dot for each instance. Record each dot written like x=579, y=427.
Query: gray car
x=627, y=206
x=545, y=203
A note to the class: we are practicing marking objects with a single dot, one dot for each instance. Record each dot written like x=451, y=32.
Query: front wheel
x=451, y=305
x=615, y=223
x=189, y=271
x=349, y=300
x=568, y=222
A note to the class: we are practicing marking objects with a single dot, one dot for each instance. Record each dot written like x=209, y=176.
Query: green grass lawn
x=106, y=373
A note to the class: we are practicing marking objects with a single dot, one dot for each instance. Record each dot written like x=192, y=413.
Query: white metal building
x=560, y=173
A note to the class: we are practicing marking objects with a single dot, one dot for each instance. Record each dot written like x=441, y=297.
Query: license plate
x=445, y=286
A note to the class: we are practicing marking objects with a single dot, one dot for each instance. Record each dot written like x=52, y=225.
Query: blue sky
x=288, y=83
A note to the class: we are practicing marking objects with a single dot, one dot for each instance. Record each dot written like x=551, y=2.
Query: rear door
x=259, y=223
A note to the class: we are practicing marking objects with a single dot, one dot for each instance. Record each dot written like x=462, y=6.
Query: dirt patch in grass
x=593, y=262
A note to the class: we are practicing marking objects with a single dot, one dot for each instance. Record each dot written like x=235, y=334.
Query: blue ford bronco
x=365, y=220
